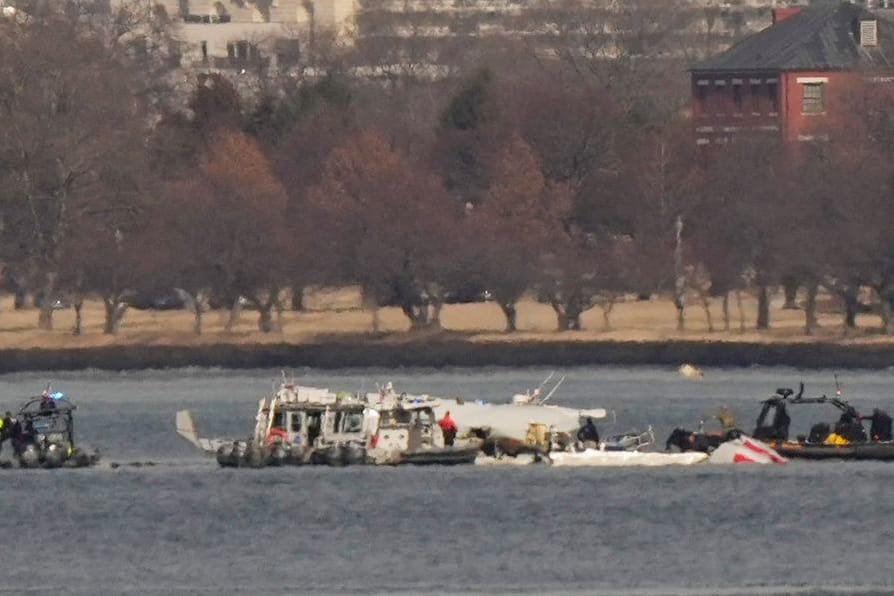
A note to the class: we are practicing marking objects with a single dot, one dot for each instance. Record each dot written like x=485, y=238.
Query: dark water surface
x=185, y=526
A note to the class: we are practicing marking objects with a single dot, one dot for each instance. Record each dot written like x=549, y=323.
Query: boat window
x=403, y=416
x=279, y=420
x=353, y=422
x=296, y=421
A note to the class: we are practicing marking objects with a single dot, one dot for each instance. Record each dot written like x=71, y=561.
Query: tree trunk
x=790, y=289
x=741, y=308
x=706, y=305
x=810, y=322
x=887, y=322
x=115, y=310
x=572, y=316
x=19, y=298
x=563, y=322
x=45, y=318
x=197, y=315
x=679, y=276
x=78, y=305
x=607, y=308
x=850, y=308
x=235, y=308
x=434, y=317
x=725, y=308
x=297, y=300
x=511, y=314
x=567, y=314
x=418, y=316
x=681, y=312
x=265, y=318
x=763, y=306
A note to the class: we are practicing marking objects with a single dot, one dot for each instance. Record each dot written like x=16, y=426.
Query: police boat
x=42, y=434
x=844, y=438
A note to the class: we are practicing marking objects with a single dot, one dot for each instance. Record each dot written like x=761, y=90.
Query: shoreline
x=429, y=353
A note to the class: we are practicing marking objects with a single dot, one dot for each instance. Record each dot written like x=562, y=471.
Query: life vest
x=447, y=424
x=276, y=434
x=835, y=439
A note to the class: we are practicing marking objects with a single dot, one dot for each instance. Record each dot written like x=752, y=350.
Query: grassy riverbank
x=335, y=331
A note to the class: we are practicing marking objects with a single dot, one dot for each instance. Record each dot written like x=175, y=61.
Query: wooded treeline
x=515, y=168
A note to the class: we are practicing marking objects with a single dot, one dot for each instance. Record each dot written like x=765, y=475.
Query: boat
x=845, y=438
x=407, y=432
x=512, y=421
x=301, y=425
x=42, y=434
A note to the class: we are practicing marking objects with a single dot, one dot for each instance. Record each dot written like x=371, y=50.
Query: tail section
x=186, y=428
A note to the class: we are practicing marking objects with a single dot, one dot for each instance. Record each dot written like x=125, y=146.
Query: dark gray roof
x=823, y=37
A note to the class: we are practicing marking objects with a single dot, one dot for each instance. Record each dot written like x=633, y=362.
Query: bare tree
x=391, y=224
x=68, y=103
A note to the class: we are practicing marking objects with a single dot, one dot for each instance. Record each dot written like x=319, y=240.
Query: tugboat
x=42, y=434
x=844, y=439
x=307, y=425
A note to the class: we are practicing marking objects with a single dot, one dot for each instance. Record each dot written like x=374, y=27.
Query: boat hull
x=861, y=451
x=447, y=456
x=597, y=458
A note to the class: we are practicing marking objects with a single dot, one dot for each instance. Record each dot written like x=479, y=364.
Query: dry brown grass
x=334, y=313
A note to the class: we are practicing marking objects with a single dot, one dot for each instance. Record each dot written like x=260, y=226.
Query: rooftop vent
x=869, y=33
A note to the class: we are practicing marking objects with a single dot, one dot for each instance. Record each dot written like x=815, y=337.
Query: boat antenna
x=837, y=385
x=546, y=380
x=552, y=391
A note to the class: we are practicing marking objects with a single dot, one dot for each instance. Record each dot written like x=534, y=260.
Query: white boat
x=513, y=420
x=307, y=425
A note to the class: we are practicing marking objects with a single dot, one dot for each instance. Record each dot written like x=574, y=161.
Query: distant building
x=792, y=79
x=230, y=34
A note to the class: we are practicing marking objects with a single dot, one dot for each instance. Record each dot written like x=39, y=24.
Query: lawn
x=333, y=313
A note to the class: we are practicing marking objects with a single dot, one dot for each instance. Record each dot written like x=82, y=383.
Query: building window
x=755, y=88
x=737, y=97
x=241, y=53
x=772, y=95
x=812, y=98
x=701, y=96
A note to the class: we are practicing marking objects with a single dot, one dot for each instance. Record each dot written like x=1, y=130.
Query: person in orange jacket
x=448, y=428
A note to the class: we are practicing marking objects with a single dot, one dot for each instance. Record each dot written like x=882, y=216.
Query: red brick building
x=791, y=79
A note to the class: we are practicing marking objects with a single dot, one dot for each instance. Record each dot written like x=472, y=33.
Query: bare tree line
x=544, y=167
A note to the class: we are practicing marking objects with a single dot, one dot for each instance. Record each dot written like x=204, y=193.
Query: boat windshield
x=394, y=417
x=350, y=422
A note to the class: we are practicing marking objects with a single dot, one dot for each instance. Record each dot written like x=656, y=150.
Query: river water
x=185, y=526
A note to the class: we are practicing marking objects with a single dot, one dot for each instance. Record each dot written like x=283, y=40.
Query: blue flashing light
x=57, y=395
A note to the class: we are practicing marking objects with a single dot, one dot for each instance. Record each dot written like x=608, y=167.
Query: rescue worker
x=588, y=435
x=448, y=428
x=880, y=427
x=726, y=419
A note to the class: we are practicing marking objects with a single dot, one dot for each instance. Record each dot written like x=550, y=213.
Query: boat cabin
x=47, y=420
x=307, y=418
